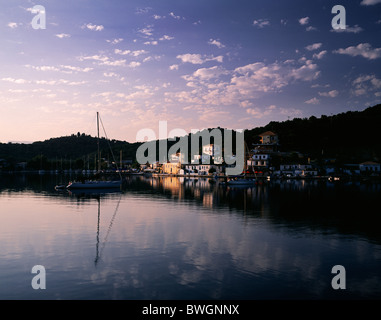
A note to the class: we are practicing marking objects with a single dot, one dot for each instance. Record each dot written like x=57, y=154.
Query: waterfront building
x=297, y=170
x=202, y=169
x=369, y=166
x=171, y=168
x=261, y=160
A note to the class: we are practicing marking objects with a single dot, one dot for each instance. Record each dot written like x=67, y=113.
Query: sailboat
x=96, y=184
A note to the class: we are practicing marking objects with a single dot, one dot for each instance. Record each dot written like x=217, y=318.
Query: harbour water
x=168, y=238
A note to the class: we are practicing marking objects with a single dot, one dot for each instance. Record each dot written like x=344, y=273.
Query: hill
x=78, y=148
x=352, y=136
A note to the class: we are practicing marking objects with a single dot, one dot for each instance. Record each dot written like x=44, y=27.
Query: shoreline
x=332, y=178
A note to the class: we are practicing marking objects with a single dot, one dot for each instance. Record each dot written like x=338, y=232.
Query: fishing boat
x=96, y=184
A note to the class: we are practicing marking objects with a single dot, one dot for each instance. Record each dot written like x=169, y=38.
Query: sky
x=194, y=64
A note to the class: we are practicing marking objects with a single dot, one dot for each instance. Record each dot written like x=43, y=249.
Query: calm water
x=170, y=238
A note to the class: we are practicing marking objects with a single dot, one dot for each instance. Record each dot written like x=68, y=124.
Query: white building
x=369, y=166
x=201, y=169
x=259, y=160
x=211, y=150
x=297, y=170
x=210, y=154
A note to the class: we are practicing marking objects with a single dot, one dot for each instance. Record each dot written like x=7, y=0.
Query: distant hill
x=74, y=147
x=350, y=136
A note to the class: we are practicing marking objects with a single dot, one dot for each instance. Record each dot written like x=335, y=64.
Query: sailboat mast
x=99, y=157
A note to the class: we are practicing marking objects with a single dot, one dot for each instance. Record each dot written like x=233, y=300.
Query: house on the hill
x=269, y=137
x=269, y=143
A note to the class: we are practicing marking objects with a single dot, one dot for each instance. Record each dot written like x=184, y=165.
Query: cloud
x=319, y=55
x=63, y=35
x=138, y=52
x=174, y=67
x=150, y=58
x=256, y=112
x=304, y=21
x=115, y=41
x=134, y=64
x=311, y=28
x=261, y=23
x=306, y=72
x=366, y=84
x=216, y=43
x=103, y=60
x=135, y=53
x=314, y=46
x=147, y=31
x=218, y=86
x=198, y=58
x=171, y=14
x=166, y=37
x=261, y=112
x=312, y=101
x=369, y=2
x=60, y=68
x=93, y=27
x=157, y=17
x=348, y=29
x=153, y=43
x=115, y=63
x=12, y=25
x=17, y=81
x=121, y=52
x=363, y=49
x=207, y=73
x=329, y=94
x=143, y=10
x=76, y=69
x=110, y=74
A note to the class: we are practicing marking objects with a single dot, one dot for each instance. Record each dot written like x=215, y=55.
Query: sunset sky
x=195, y=64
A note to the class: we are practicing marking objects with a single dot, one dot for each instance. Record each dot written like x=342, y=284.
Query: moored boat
x=97, y=184
x=240, y=181
x=94, y=184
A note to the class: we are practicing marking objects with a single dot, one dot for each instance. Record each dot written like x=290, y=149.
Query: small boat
x=241, y=182
x=94, y=184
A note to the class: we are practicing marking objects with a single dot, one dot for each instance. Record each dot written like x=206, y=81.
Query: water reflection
x=171, y=238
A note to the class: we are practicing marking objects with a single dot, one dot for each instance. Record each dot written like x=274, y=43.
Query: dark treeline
x=352, y=136
x=61, y=153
